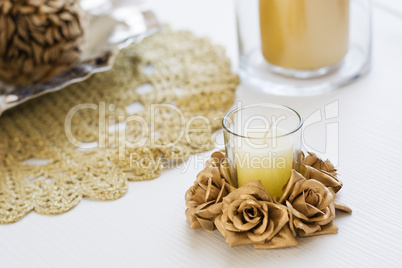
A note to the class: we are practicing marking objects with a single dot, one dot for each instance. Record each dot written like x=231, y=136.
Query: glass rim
x=267, y=105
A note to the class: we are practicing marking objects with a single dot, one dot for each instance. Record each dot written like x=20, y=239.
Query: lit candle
x=266, y=157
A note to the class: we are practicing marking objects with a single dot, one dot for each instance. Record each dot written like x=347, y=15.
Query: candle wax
x=304, y=34
x=268, y=160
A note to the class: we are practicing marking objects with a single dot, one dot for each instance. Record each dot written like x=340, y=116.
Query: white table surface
x=148, y=228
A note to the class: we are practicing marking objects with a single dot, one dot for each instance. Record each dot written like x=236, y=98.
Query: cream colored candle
x=268, y=160
x=304, y=34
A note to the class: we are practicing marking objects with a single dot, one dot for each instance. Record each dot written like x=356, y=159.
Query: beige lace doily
x=171, y=90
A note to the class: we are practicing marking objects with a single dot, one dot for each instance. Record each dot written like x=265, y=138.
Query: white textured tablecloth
x=148, y=228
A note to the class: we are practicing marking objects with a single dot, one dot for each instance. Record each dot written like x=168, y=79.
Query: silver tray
x=111, y=28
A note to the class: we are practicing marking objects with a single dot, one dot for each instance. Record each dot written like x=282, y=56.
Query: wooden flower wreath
x=249, y=215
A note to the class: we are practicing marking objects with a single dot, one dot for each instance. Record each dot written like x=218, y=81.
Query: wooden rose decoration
x=218, y=159
x=311, y=206
x=322, y=171
x=203, y=199
x=314, y=161
x=250, y=217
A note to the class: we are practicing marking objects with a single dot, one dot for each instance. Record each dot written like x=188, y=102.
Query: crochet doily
x=170, y=92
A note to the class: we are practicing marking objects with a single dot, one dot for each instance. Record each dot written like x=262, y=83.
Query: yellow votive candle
x=304, y=34
x=265, y=158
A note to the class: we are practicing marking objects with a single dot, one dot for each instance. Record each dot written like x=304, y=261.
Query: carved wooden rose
x=203, y=199
x=311, y=206
x=250, y=217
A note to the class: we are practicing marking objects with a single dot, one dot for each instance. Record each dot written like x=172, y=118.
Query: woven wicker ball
x=38, y=39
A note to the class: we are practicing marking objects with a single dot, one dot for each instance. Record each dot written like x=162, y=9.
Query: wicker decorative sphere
x=38, y=39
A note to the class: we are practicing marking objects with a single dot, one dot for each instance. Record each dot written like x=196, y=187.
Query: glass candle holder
x=262, y=142
x=303, y=47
